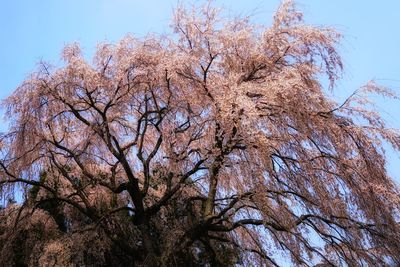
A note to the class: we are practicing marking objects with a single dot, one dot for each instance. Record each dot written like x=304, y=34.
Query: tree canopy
x=215, y=145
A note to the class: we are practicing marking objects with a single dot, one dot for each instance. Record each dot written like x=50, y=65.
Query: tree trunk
x=152, y=258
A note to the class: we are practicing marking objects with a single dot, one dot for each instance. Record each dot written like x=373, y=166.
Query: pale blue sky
x=33, y=30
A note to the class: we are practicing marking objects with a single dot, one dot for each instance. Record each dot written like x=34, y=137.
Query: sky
x=35, y=30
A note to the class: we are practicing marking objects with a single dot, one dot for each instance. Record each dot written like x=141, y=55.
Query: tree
x=217, y=145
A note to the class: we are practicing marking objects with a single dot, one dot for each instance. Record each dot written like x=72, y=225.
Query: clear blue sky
x=33, y=30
